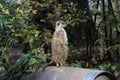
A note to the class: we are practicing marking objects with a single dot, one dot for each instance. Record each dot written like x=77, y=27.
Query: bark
x=116, y=8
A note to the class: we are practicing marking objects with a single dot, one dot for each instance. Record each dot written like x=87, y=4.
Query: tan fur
x=59, y=43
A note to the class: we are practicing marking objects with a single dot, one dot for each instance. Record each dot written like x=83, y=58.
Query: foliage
x=108, y=31
x=106, y=66
x=29, y=25
x=14, y=25
x=17, y=29
x=15, y=64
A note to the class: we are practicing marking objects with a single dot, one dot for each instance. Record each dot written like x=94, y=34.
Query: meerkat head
x=60, y=24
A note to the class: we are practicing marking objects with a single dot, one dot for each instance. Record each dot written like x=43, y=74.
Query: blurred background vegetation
x=26, y=28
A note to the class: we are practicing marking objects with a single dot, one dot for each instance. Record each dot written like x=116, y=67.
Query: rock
x=69, y=73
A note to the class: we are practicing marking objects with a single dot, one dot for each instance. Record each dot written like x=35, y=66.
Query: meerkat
x=59, y=44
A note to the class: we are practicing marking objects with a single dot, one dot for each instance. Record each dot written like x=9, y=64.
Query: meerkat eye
x=58, y=24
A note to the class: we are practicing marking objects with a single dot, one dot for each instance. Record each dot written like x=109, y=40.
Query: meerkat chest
x=60, y=33
x=65, y=35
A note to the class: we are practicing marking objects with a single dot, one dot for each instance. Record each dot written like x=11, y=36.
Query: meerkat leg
x=61, y=64
x=57, y=64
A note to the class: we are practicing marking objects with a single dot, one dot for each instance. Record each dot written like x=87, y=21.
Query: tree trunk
x=116, y=8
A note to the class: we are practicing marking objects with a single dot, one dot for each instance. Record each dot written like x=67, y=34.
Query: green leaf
x=101, y=41
x=16, y=21
x=113, y=67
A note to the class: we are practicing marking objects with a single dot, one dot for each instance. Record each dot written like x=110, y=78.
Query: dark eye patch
x=58, y=24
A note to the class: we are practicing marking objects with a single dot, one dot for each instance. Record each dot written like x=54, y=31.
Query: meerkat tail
x=47, y=65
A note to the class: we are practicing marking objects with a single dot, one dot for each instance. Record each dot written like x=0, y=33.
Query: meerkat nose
x=65, y=25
